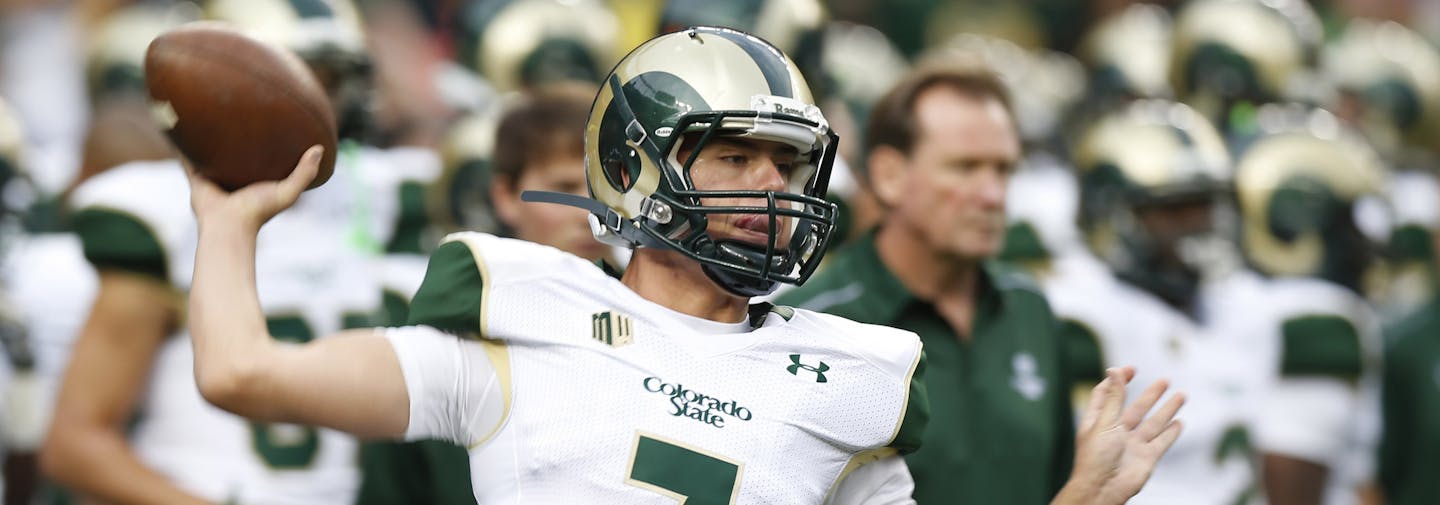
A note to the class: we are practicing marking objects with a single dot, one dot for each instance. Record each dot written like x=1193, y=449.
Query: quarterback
x=704, y=152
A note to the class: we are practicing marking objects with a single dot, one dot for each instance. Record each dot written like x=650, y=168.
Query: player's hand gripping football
x=254, y=204
x=1116, y=446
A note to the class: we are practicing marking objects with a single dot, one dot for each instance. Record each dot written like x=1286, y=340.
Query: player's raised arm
x=352, y=382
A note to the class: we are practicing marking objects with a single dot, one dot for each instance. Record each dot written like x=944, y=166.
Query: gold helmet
x=116, y=52
x=1128, y=53
x=706, y=82
x=1309, y=197
x=1230, y=56
x=1152, y=154
x=328, y=34
x=525, y=43
x=461, y=197
x=1390, y=79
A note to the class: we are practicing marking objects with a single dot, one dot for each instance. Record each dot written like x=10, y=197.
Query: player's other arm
x=350, y=382
x=87, y=449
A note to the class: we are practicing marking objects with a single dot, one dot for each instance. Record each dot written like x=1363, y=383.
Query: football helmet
x=328, y=35
x=524, y=43
x=1393, y=74
x=1230, y=56
x=461, y=198
x=1309, y=193
x=1153, y=154
x=115, y=56
x=1128, y=54
x=703, y=83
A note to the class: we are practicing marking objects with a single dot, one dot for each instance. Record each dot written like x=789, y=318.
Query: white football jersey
x=1311, y=412
x=577, y=390
x=315, y=276
x=1211, y=462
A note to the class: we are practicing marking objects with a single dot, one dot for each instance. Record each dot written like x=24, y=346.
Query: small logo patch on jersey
x=1026, y=380
x=612, y=328
x=796, y=366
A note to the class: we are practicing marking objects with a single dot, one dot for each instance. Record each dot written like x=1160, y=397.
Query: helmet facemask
x=705, y=84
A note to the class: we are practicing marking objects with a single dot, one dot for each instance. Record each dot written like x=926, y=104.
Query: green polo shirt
x=1001, y=429
x=1410, y=444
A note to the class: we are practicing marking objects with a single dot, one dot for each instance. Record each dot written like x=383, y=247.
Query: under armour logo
x=795, y=368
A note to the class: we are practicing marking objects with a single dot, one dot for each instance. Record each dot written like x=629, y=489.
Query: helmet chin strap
x=613, y=228
x=617, y=226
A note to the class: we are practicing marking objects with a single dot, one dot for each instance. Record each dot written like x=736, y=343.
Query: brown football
x=239, y=109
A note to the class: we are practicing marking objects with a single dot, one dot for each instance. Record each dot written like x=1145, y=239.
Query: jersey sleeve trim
x=499, y=356
x=1321, y=346
x=860, y=459
x=454, y=295
x=916, y=412
x=115, y=239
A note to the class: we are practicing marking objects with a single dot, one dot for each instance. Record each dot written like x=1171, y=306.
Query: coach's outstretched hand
x=252, y=205
x=1116, y=447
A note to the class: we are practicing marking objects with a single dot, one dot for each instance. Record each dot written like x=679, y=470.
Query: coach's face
x=949, y=190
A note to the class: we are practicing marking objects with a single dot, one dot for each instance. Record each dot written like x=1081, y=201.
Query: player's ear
x=886, y=173
x=505, y=196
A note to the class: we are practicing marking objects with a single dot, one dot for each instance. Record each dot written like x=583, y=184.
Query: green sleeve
x=1320, y=345
x=917, y=412
x=396, y=308
x=114, y=239
x=429, y=471
x=451, y=295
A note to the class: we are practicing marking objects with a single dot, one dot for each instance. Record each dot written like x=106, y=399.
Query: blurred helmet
x=1043, y=84
x=1392, y=74
x=461, y=197
x=116, y=53
x=327, y=34
x=523, y=43
x=1153, y=154
x=1309, y=197
x=797, y=27
x=1128, y=54
x=1232, y=52
x=703, y=83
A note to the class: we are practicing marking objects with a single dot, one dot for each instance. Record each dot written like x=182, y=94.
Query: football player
x=705, y=150
x=1311, y=215
x=132, y=361
x=1153, y=176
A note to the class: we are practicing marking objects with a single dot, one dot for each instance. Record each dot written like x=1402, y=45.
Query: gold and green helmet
x=517, y=44
x=1151, y=154
x=704, y=83
x=1230, y=56
x=1309, y=193
x=328, y=34
x=1389, y=76
x=15, y=190
x=115, y=55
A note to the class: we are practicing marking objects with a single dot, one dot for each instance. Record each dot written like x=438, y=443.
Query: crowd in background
x=1225, y=161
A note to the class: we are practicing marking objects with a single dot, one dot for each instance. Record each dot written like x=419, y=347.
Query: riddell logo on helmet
x=688, y=403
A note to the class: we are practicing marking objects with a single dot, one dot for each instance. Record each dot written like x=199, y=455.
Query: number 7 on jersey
x=686, y=473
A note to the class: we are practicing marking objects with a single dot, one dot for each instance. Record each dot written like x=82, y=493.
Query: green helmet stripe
x=311, y=9
x=772, y=64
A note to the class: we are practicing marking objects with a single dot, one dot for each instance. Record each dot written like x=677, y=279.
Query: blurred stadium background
x=1359, y=76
